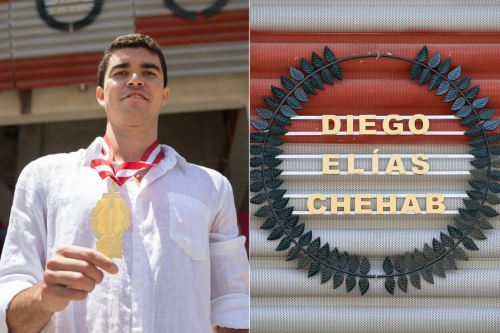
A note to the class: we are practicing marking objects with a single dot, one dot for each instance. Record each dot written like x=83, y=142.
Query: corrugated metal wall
x=33, y=55
x=283, y=298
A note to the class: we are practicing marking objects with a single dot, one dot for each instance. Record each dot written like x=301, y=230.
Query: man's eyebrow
x=122, y=65
x=148, y=65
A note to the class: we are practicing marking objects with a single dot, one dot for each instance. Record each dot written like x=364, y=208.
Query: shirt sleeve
x=229, y=266
x=23, y=256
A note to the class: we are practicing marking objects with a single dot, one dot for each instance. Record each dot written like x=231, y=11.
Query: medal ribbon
x=121, y=173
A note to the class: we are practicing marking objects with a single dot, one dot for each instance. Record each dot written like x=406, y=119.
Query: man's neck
x=129, y=144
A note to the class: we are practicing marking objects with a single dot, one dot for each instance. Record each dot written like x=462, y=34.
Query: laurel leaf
x=415, y=71
x=296, y=74
x=364, y=266
x=278, y=92
x=329, y=55
x=428, y=251
x=415, y=280
x=313, y=269
x=327, y=76
x=293, y=103
x=263, y=211
x=488, y=211
x=434, y=61
x=464, y=83
x=446, y=240
x=425, y=75
x=364, y=285
x=317, y=82
x=277, y=130
x=282, y=120
x=350, y=282
x=388, y=267
x=259, y=124
x=256, y=186
x=454, y=232
x=445, y=66
x=492, y=199
x=276, y=233
x=451, y=95
x=269, y=224
x=443, y=88
x=459, y=254
x=476, y=233
x=353, y=264
x=305, y=238
x=285, y=213
x=287, y=111
x=308, y=88
x=474, y=131
x=491, y=125
x=427, y=275
x=438, y=247
x=403, y=283
x=326, y=274
x=438, y=269
x=449, y=262
x=284, y=244
x=486, y=113
x=472, y=92
x=337, y=72
x=303, y=261
x=338, y=278
x=265, y=113
x=287, y=83
x=434, y=83
x=457, y=105
x=297, y=231
x=455, y=74
x=464, y=111
x=258, y=137
x=390, y=284
x=271, y=102
x=470, y=120
x=293, y=253
x=469, y=244
x=306, y=66
x=472, y=204
x=301, y=95
x=422, y=54
x=480, y=103
x=480, y=163
x=478, y=184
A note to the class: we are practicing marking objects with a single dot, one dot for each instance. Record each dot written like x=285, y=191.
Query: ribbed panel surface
x=33, y=55
x=283, y=298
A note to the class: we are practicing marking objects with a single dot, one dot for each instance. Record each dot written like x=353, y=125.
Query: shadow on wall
x=3, y=232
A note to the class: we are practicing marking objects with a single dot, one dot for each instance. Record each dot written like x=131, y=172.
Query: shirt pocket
x=188, y=227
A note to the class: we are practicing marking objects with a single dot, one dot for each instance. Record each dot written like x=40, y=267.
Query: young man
x=183, y=267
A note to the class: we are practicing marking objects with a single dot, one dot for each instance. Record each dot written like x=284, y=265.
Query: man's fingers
x=73, y=280
x=66, y=293
x=60, y=263
x=94, y=257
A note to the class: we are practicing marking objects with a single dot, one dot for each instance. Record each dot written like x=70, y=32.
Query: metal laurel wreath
x=339, y=266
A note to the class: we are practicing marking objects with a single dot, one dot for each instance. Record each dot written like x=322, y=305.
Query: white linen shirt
x=184, y=267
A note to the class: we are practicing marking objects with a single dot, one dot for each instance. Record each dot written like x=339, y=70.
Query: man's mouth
x=135, y=96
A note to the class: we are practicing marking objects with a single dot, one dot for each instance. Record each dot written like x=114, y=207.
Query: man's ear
x=165, y=94
x=99, y=95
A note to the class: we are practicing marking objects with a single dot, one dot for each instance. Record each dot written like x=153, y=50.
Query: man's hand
x=71, y=274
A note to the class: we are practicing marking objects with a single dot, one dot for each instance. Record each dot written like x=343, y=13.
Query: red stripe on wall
x=374, y=86
x=172, y=30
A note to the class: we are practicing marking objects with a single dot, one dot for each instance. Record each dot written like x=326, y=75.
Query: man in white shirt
x=183, y=269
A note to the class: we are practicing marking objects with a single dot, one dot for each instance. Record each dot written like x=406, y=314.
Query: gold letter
x=420, y=160
x=328, y=162
x=395, y=164
x=350, y=124
x=425, y=124
x=345, y=205
x=326, y=124
x=410, y=204
x=386, y=124
x=365, y=121
x=361, y=201
x=351, y=168
x=381, y=204
x=310, y=204
x=434, y=203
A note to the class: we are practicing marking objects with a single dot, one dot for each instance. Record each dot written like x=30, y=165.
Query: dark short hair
x=131, y=41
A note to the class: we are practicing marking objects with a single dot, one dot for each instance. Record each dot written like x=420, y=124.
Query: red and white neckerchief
x=122, y=172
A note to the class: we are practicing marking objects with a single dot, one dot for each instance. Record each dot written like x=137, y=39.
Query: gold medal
x=110, y=220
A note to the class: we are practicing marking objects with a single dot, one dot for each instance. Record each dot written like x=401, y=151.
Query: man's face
x=133, y=92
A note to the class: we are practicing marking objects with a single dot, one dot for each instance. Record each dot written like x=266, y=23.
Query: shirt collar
x=172, y=158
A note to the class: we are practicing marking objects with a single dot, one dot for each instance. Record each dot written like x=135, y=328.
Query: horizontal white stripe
x=369, y=173
x=364, y=156
x=305, y=212
x=399, y=195
x=454, y=133
x=377, y=117
x=104, y=167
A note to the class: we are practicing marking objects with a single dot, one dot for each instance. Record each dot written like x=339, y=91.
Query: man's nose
x=135, y=80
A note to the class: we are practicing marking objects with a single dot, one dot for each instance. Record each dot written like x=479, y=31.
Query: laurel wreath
x=69, y=27
x=318, y=258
